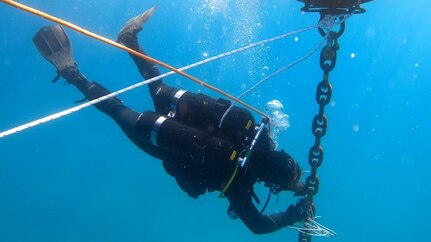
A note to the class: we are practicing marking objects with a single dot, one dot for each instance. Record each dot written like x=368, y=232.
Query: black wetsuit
x=204, y=161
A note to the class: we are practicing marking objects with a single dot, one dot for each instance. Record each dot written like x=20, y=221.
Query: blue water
x=79, y=178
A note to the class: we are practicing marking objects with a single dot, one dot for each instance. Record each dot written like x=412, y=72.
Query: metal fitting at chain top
x=334, y=6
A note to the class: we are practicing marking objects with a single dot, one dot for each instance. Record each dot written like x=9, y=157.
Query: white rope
x=113, y=94
x=313, y=228
x=306, y=56
x=76, y=108
x=328, y=23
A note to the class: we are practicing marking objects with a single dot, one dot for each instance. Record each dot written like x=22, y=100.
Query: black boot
x=128, y=34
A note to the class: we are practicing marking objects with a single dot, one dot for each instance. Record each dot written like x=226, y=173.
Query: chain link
x=328, y=59
x=304, y=237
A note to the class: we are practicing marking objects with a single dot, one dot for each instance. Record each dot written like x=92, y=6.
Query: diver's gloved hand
x=299, y=189
x=302, y=210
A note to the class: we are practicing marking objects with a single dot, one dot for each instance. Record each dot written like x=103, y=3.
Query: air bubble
x=279, y=120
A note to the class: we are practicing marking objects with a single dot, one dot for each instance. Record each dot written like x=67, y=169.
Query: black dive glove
x=299, y=189
x=301, y=211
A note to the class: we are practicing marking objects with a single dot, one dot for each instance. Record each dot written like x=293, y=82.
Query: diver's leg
x=53, y=43
x=128, y=36
x=113, y=107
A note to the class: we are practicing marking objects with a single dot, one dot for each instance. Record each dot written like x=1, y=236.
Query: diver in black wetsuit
x=183, y=132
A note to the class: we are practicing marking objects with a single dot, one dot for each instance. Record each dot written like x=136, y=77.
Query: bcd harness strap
x=155, y=130
x=161, y=119
x=174, y=103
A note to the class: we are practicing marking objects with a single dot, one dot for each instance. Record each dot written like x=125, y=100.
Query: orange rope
x=133, y=52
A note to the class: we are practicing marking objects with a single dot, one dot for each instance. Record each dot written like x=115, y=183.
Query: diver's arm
x=260, y=223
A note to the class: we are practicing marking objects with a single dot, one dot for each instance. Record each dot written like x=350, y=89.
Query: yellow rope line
x=122, y=47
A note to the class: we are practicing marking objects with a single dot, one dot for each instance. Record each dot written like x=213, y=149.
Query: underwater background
x=80, y=179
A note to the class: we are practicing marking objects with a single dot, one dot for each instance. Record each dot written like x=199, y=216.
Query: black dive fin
x=53, y=44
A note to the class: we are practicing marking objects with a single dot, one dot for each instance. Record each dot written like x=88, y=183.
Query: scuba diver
x=183, y=132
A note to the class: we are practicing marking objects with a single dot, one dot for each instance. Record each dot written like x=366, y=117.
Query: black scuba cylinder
x=204, y=113
x=183, y=141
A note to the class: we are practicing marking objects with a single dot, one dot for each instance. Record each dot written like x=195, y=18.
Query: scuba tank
x=184, y=141
x=204, y=113
x=201, y=155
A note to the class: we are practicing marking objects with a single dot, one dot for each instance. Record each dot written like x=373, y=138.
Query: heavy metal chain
x=328, y=58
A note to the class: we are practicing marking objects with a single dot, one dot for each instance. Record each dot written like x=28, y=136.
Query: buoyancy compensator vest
x=202, y=155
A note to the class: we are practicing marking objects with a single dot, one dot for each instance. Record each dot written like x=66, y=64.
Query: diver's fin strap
x=56, y=78
x=81, y=100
